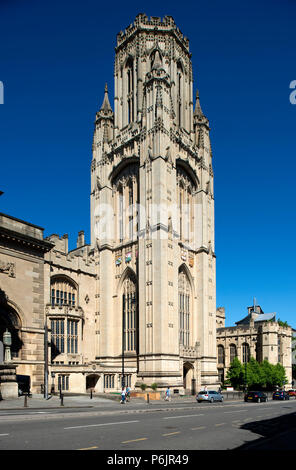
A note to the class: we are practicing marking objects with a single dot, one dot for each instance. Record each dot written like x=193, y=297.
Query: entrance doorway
x=188, y=375
x=91, y=382
x=9, y=320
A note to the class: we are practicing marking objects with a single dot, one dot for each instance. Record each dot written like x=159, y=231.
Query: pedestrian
x=168, y=394
x=122, y=396
x=128, y=393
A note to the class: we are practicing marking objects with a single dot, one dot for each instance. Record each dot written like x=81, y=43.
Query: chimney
x=80, y=239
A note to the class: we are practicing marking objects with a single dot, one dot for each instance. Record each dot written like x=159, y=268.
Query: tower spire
x=106, y=107
x=198, y=111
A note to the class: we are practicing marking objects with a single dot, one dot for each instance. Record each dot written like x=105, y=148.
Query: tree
x=254, y=376
x=279, y=375
x=235, y=373
x=266, y=374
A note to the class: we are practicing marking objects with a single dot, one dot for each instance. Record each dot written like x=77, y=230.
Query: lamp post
x=123, y=341
x=52, y=382
x=45, y=361
x=7, y=343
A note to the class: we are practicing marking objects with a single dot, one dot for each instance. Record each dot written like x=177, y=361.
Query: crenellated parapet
x=152, y=26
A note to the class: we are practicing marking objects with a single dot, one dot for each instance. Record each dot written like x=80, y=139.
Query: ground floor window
x=63, y=382
x=127, y=380
x=108, y=381
x=64, y=337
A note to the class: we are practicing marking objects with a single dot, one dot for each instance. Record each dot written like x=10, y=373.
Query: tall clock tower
x=152, y=216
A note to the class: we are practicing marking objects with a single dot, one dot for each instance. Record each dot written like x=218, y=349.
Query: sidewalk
x=84, y=401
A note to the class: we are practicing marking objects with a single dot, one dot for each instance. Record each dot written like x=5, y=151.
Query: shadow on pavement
x=276, y=433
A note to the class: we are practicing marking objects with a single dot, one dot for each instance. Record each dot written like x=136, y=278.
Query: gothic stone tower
x=152, y=216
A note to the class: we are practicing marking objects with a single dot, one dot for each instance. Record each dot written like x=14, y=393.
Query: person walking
x=123, y=396
x=128, y=394
x=168, y=394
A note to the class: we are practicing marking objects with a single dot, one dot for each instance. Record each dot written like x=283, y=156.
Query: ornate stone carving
x=7, y=268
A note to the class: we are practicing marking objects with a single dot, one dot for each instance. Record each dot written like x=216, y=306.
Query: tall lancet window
x=130, y=208
x=120, y=213
x=179, y=94
x=185, y=188
x=184, y=308
x=130, y=90
x=129, y=315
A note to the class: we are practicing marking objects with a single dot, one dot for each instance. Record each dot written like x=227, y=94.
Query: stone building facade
x=152, y=179
x=257, y=335
x=22, y=282
x=139, y=301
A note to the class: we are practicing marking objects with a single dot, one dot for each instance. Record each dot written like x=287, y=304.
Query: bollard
x=147, y=397
x=62, y=399
x=91, y=394
x=25, y=400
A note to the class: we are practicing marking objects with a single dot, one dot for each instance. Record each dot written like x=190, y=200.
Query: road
x=194, y=426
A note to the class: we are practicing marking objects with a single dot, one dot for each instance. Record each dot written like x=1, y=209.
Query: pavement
x=37, y=401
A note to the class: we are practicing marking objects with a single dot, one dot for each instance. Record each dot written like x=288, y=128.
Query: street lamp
x=52, y=382
x=123, y=341
x=7, y=343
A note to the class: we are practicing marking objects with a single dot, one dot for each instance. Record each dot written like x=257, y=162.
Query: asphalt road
x=203, y=426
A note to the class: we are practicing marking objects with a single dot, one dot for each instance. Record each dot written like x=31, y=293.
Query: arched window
x=64, y=329
x=184, y=308
x=221, y=354
x=63, y=292
x=129, y=315
x=130, y=90
x=185, y=190
x=120, y=213
x=246, y=352
x=232, y=352
x=179, y=94
x=125, y=199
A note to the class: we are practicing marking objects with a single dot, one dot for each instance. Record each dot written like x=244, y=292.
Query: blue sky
x=55, y=59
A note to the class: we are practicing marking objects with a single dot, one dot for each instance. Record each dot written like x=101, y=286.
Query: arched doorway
x=9, y=320
x=91, y=382
x=188, y=375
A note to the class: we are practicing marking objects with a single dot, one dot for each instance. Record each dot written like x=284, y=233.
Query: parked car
x=209, y=396
x=255, y=396
x=292, y=393
x=280, y=395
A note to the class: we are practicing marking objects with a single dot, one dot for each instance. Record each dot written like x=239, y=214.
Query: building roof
x=257, y=318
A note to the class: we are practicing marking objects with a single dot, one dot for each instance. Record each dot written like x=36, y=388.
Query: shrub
x=154, y=387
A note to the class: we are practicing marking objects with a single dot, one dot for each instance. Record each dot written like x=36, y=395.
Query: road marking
x=184, y=416
x=1, y=435
x=102, y=424
x=88, y=448
x=219, y=424
x=239, y=411
x=171, y=433
x=199, y=427
x=135, y=440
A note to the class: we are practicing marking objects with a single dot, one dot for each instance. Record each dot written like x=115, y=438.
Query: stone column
x=8, y=383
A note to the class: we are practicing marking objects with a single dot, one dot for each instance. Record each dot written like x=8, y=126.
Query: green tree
x=279, y=375
x=235, y=373
x=266, y=370
x=254, y=376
